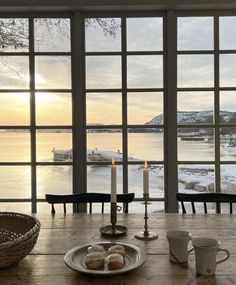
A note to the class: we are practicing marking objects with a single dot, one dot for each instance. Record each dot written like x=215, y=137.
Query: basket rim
x=33, y=230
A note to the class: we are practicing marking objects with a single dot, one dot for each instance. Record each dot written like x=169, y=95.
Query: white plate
x=75, y=258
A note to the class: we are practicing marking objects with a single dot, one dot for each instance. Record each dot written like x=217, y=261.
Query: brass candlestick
x=146, y=235
x=113, y=230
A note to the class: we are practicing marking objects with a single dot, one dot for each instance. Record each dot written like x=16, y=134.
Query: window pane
x=53, y=108
x=194, y=178
x=104, y=108
x=14, y=109
x=44, y=207
x=227, y=32
x=103, y=72
x=103, y=145
x=52, y=35
x=14, y=72
x=195, y=144
x=195, y=33
x=103, y=34
x=153, y=207
x=99, y=179
x=145, y=108
x=228, y=143
x=54, y=180
x=195, y=70
x=228, y=70
x=53, y=72
x=144, y=34
x=16, y=207
x=228, y=178
x=228, y=107
x=195, y=108
x=15, y=182
x=14, y=35
x=54, y=145
x=156, y=180
x=144, y=144
x=145, y=71
x=14, y=146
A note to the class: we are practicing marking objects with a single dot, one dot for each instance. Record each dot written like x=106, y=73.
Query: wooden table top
x=59, y=234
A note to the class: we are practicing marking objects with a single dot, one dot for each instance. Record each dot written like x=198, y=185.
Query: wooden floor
x=45, y=264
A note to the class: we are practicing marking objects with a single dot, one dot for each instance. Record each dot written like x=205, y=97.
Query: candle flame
x=113, y=161
x=145, y=164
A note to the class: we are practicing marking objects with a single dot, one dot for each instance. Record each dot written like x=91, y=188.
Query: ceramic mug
x=206, y=250
x=178, y=245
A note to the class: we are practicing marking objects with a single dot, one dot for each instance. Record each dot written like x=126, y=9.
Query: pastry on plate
x=115, y=261
x=117, y=249
x=96, y=248
x=95, y=260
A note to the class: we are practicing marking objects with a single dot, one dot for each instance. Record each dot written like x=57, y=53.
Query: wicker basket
x=18, y=235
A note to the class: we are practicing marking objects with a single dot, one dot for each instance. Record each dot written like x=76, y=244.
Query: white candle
x=113, y=181
x=145, y=179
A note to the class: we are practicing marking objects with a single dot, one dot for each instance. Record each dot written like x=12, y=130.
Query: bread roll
x=115, y=261
x=95, y=260
x=96, y=248
x=117, y=249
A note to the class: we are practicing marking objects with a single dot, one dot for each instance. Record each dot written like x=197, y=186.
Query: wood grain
x=60, y=233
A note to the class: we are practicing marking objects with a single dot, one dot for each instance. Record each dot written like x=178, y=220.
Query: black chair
x=205, y=198
x=89, y=198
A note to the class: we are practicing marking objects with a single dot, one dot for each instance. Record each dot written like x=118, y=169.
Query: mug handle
x=224, y=258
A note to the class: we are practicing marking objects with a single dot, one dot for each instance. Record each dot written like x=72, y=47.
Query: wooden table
x=45, y=264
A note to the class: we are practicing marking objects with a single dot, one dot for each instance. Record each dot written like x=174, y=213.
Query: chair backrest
x=205, y=198
x=89, y=198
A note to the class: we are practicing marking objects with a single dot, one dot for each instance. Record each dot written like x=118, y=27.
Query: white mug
x=206, y=250
x=178, y=245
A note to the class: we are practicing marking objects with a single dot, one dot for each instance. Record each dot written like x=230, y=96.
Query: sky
x=143, y=71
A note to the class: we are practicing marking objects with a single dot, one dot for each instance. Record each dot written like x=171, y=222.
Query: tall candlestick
x=113, y=181
x=145, y=179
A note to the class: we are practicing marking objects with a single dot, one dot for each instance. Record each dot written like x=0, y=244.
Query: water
x=15, y=180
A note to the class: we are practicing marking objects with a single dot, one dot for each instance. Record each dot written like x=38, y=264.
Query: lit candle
x=145, y=179
x=113, y=181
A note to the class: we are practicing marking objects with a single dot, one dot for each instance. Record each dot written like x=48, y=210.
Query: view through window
x=122, y=109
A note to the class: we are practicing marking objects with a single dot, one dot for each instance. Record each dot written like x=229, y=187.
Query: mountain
x=196, y=118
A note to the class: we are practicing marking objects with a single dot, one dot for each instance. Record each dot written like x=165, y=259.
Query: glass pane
x=156, y=180
x=99, y=179
x=145, y=144
x=44, y=207
x=195, y=33
x=14, y=35
x=144, y=34
x=54, y=145
x=145, y=71
x=103, y=145
x=14, y=72
x=52, y=35
x=14, y=109
x=153, y=207
x=145, y=108
x=103, y=72
x=195, y=108
x=14, y=146
x=227, y=32
x=195, y=144
x=228, y=70
x=16, y=207
x=54, y=180
x=228, y=178
x=53, y=108
x=195, y=70
x=15, y=182
x=104, y=108
x=53, y=72
x=195, y=178
x=103, y=34
x=228, y=106
x=228, y=143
